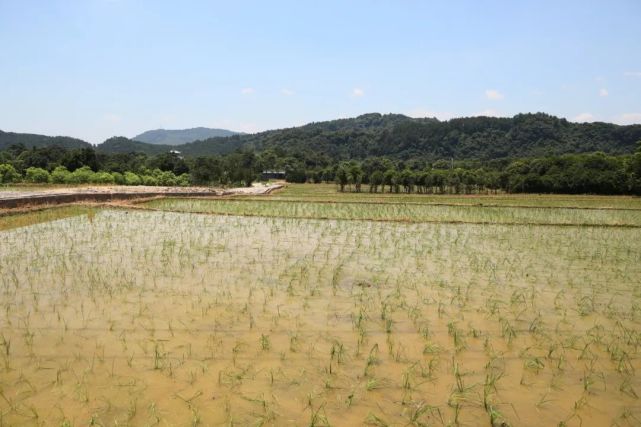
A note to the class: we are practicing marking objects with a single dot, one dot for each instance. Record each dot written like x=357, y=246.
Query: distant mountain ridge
x=404, y=138
x=30, y=140
x=181, y=136
x=394, y=136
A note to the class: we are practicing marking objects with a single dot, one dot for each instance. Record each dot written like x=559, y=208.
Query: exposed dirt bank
x=55, y=196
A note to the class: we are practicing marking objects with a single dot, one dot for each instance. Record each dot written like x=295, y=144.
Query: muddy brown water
x=161, y=318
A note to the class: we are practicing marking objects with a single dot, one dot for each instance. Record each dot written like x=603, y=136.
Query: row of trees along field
x=595, y=173
x=570, y=174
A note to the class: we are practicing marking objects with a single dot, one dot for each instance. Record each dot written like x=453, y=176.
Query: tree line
x=58, y=165
x=595, y=173
x=393, y=136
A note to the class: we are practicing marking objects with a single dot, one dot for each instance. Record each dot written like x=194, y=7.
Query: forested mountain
x=181, y=136
x=527, y=153
x=121, y=144
x=29, y=140
x=209, y=147
x=403, y=138
x=393, y=136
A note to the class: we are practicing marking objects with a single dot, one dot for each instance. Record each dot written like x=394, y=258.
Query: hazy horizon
x=102, y=68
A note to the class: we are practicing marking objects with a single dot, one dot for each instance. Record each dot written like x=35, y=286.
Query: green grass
x=402, y=212
x=39, y=187
x=15, y=220
x=329, y=192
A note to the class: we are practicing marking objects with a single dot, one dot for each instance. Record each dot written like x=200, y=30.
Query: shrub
x=37, y=175
x=82, y=175
x=132, y=179
x=182, y=180
x=102, y=178
x=8, y=174
x=149, y=180
x=118, y=178
x=165, y=178
x=60, y=175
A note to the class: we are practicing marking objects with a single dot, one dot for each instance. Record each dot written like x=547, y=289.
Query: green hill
x=181, y=136
x=391, y=135
x=400, y=137
x=30, y=140
x=121, y=144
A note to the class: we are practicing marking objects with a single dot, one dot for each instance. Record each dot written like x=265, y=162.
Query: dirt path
x=54, y=196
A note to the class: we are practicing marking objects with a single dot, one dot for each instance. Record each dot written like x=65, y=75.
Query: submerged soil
x=162, y=318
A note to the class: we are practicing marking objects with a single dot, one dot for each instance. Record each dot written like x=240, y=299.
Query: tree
x=169, y=162
x=328, y=174
x=102, y=178
x=60, y=175
x=8, y=174
x=439, y=180
x=241, y=167
x=37, y=175
x=389, y=178
x=407, y=180
x=249, y=163
x=119, y=178
x=296, y=175
x=342, y=176
x=76, y=159
x=375, y=179
x=81, y=175
x=132, y=179
x=356, y=176
x=206, y=171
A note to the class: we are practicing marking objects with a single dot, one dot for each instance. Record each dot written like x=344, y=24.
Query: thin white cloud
x=358, y=92
x=584, y=118
x=632, y=74
x=287, y=92
x=247, y=91
x=493, y=94
x=629, y=119
x=603, y=92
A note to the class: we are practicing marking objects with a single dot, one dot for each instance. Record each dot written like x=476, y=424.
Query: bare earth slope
x=12, y=198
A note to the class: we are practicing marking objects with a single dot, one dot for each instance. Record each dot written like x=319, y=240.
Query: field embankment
x=405, y=212
x=23, y=197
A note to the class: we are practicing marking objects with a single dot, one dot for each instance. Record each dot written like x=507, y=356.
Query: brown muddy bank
x=57, y=196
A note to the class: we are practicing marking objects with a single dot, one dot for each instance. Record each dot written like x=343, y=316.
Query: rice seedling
x=163, y=317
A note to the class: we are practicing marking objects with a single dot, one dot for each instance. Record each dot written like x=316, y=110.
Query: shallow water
x=147, y=318
x=403, y=212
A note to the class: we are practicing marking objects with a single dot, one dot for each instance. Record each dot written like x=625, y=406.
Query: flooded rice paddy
x=132, y=317
x=405, y=212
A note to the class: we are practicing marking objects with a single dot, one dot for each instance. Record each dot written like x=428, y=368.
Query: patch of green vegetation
x=329, y=192
x=402, y=212
x=15, y=220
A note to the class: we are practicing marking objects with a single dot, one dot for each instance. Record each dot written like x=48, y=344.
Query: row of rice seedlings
x=402, y=212
x=390, y=304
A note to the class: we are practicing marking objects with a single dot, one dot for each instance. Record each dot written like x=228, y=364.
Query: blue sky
x=97, y=68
